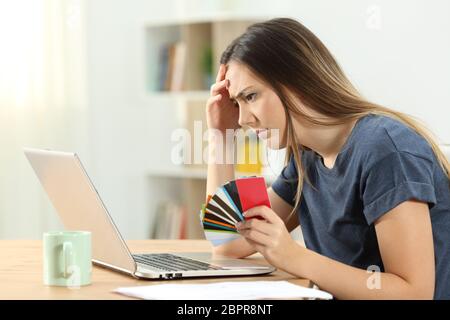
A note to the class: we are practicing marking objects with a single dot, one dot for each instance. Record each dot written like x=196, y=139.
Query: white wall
x=403, y=63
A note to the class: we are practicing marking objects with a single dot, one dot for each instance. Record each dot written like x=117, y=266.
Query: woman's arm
x=221, y=115
x=406, y=245
x=219, y=172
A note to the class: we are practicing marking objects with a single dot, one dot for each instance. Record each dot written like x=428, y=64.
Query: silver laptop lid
x=79, y=205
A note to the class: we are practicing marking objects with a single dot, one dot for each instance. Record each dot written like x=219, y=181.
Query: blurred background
x=112, y=80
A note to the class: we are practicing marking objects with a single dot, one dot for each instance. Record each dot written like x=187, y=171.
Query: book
x=172, y=66
x=163, y=65
x=179, y=67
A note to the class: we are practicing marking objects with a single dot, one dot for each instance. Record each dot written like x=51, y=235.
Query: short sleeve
x=398, y=177
x=286, y=183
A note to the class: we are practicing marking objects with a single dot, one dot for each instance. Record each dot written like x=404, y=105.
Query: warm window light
x=21, y=34
x=41, y=51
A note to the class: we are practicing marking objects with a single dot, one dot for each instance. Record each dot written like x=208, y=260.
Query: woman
x=368, y=185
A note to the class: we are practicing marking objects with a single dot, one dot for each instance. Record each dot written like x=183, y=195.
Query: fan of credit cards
x=224, y=209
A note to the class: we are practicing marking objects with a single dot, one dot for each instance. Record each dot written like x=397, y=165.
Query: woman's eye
x=250, y=97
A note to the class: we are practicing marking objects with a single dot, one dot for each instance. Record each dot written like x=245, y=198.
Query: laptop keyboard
x=171, y=262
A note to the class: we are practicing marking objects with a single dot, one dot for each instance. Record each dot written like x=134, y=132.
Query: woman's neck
x=327, y=141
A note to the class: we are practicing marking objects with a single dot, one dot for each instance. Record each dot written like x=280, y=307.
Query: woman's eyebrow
x=240, y=94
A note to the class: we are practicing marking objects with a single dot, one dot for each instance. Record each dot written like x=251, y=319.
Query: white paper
x=238, y=290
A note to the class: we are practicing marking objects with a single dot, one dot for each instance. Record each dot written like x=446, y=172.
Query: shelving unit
x=204, y=41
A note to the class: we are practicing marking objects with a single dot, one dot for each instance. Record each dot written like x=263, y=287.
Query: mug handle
x=67, y=259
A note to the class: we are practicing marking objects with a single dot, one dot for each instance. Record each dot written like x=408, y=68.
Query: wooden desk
x=21, y=271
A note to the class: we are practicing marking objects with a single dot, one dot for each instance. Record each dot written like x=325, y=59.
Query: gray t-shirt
x=382, y=164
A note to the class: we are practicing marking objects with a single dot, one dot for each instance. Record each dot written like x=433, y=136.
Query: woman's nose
x=245, y=117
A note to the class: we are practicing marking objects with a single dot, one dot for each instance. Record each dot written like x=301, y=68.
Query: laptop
x=80, y=207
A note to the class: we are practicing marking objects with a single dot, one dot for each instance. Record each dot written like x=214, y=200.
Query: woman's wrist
x=221, y=147
x=294, y=259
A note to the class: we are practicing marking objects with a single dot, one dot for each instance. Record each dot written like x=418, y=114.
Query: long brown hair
x=296, y=64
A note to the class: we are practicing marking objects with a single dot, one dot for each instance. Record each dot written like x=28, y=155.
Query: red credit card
x=252, y=193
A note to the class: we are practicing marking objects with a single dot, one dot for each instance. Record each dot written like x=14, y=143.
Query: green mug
x=67, y=258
